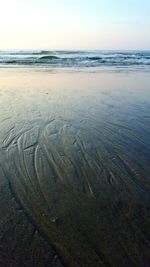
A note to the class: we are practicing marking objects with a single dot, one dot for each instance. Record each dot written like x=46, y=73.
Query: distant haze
x=75, y=24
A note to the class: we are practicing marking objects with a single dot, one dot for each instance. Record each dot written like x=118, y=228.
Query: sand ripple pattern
x=81, y=175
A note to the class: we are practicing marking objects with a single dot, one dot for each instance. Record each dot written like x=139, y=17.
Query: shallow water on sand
x=75, y=152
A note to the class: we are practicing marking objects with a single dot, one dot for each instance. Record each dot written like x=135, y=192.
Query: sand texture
x=74, y=169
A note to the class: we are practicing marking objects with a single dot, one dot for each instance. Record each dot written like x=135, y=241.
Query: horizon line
x=73, y=49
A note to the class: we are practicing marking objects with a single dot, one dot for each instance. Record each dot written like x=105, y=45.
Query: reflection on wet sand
x=75, y=150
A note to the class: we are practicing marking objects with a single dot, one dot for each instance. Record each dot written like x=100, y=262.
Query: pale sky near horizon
x=75, y=24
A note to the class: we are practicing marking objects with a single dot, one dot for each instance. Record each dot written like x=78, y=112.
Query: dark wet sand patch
x=75, y=169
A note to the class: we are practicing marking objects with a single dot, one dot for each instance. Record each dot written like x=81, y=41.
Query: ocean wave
x=74, y=58
x=48, y=58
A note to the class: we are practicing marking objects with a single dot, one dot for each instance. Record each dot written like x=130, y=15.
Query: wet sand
x=74, y=168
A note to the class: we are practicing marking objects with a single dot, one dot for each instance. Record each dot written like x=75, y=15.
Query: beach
x=74, y=167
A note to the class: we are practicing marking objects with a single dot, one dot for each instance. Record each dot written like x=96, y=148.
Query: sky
x=75, y=24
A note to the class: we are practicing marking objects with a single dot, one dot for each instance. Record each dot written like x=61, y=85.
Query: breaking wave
x=74, y=58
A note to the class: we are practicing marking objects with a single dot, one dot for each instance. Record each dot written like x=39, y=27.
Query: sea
x=74, y=59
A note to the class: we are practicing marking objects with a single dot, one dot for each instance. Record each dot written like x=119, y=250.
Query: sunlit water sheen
x=75, y=149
